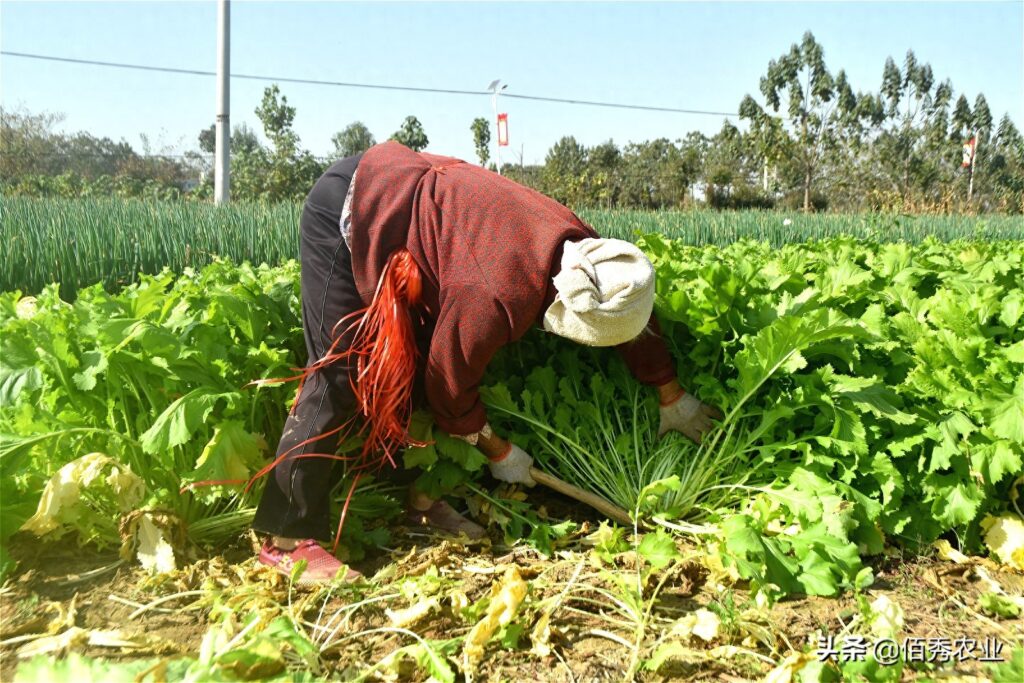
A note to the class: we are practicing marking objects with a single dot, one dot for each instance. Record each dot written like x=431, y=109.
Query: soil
x=58, y=586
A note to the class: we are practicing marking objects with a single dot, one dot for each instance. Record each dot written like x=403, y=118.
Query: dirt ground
x=590, y=638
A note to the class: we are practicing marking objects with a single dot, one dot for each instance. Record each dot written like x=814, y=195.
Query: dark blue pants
x=296, y=500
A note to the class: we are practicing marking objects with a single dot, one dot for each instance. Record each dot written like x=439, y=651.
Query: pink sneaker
x=321, y=566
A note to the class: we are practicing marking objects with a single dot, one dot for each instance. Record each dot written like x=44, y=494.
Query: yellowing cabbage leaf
x=87, y=494
x=506, y=597
x=1004, y=536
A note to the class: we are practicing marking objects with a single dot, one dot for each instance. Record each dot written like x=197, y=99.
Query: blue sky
x=686, y=55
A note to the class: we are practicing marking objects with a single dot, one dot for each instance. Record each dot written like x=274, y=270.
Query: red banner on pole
x=503, y=130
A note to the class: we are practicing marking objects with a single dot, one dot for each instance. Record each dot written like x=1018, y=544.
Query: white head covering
x=605, y=293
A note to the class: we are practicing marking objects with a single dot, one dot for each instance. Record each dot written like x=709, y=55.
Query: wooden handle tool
x=613, y=512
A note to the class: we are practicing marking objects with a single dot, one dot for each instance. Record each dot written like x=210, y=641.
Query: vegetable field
x=80, y=242
x=863, y=487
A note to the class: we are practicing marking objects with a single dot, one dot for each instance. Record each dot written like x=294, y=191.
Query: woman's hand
x=507, y=461
x=683, y=413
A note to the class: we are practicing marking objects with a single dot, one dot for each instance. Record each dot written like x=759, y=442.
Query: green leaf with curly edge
x=999, y=605
x=234, y=306
x=179, y=422
x=1012, y=308
x=544, y=381
x=430, y=656
x=891, y=483
x=544, y=535
x=608, y=541
x=282, y=630
x=1015, y=352
x=421, y=428
x=442, y=479
x=954, y=500
x=813, y=499
x=996, y=460
x=498, y=396
x=828, y=562
x=423, y=457
x=842, y=280
x=813, y=559
x=76, y=668
x=454, y=460
x=232, y=455
x=658, y=548
x=830, y=515
x=465, y=455
x=755, y=556
x=509, y=636
x=94, y=363
x=870, y=670
x=1006, y=414
x=1011, y=670
x=149, y=295
x=19, y=368
x=651, y=496
x=781, y=345
x=950, y=434
x=869, y=394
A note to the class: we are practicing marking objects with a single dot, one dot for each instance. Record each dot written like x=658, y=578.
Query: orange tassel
x=385, y=354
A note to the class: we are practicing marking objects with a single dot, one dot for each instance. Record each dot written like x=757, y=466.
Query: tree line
x=804, y=140
x=35, y=160
x=811, y=142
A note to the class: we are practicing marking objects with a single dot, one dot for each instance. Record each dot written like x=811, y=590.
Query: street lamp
x=496, y=87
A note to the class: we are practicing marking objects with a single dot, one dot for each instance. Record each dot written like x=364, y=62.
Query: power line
x=371, y=86
x=592, y=103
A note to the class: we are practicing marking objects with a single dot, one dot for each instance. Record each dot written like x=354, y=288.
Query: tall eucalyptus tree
x=815, y=103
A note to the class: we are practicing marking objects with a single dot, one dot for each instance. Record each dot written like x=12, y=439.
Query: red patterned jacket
x=488, y=249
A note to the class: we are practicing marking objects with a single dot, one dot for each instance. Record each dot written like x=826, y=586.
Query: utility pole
x=222, y=152
x=496, y=88
x=974, y=161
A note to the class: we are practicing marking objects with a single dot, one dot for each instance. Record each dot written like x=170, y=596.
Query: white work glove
x=512, y=466
x=689, y=416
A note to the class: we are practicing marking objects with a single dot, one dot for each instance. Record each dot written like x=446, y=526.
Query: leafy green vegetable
x=658, y=549
x=153, y=378
x=447, y=462
x=873, y=394
x=76, y=668
x=1010, y=670
x=999, y=605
